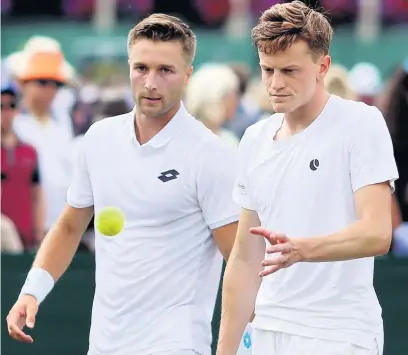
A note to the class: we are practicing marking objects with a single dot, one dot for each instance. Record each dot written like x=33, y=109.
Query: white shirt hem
x=224, y=222
x=80, y=205
x=358, y=337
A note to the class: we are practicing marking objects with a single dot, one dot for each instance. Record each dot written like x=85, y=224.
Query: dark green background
x=80, y=40
x=63, y=322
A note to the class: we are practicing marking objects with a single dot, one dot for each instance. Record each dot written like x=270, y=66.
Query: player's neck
x=299, y=119
x=147, y=127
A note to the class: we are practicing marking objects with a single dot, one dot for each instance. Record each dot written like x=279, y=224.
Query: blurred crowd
x=210, y=13
x=47, y=106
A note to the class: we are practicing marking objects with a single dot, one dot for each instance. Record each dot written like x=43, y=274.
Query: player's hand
x=22, y=314
x=279, y=243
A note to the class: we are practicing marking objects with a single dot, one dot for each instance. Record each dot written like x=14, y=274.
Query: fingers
x=14, y=330
x=270, y=270
x=279, y=248
x=31, y=313
x=279, y=238
x=272, y=265
x=17, y=334
x=280, y=243
x=260, y=231
x=23, y=313
x=272, y=237
x=281, y=259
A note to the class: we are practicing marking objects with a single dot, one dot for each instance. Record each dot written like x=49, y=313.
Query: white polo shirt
x=304, y=186
x=154, y=288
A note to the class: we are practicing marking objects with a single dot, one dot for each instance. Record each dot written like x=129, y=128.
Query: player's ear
x=324, y=65
x=188, y=74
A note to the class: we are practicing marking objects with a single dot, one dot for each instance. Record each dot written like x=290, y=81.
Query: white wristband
x=39, y=284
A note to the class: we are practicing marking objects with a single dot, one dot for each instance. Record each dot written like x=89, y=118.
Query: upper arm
x=242, y=189
x=215, y=183
x=224, y=238
x=248, y=248
x=373, y=171
x=373, y=205
x=80, y=194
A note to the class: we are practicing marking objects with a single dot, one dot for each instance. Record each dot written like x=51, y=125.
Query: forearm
x=240, y=287
x=359, y=240
x=57, y=250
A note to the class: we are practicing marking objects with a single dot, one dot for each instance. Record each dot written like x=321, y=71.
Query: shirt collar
x=165, y=134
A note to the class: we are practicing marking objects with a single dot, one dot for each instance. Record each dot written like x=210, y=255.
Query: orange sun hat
x=41, y=58
x=44, y=65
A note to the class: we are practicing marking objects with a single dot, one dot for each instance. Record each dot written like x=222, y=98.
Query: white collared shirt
x=303, y=186
x=154, y=289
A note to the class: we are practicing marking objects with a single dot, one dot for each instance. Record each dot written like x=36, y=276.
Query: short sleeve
x=371, y=152
x=241, y=192
x=80, y=193
x=215, y=182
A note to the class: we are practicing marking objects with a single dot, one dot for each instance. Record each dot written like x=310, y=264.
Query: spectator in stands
x=40, y=75
x=10, y=239
x=212, y=96
x=395, y=108
x=21, y=194
x=217, y=105
x=64, y=98
x=248, y=110
x=365, y=80
x=336, y=82
x=113, y=107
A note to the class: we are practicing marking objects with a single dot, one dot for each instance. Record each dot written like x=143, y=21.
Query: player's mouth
x=151, y=99
x=279, y=98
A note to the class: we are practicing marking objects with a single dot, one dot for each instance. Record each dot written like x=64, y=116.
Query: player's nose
x=151, y=82
x=277, y=81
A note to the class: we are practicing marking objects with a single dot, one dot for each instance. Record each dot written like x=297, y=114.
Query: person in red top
x=21, y=197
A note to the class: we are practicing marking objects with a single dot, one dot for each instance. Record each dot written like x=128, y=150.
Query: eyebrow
x=292, y=66
x=140, y=64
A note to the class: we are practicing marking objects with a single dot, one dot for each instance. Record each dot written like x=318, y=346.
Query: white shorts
x=245, y=347
x=275, y=343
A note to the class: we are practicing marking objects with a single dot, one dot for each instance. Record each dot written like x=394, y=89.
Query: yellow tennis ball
x=110, y=221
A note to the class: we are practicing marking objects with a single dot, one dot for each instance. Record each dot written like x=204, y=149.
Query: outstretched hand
x=279, y=243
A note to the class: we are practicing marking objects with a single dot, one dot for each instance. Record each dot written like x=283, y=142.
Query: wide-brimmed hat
x=41, y=58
